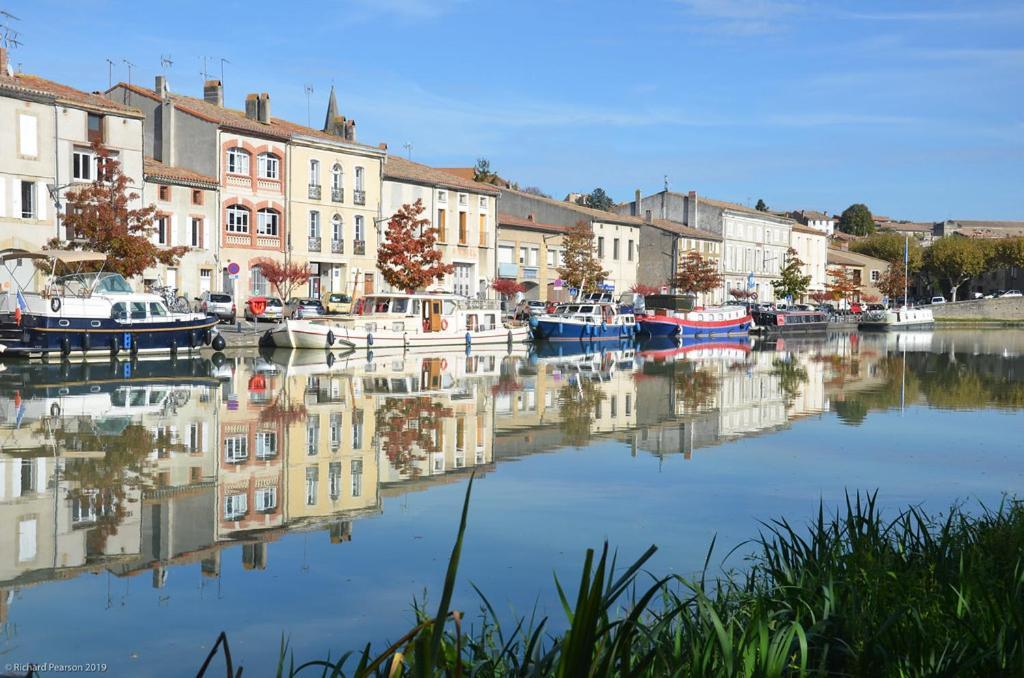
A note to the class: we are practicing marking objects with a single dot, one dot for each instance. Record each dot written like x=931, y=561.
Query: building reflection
x=135, y=468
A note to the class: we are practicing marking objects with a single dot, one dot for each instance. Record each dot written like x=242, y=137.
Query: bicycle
x=174, y=302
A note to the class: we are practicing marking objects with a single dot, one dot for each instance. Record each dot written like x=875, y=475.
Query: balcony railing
x=338, y=194
x=314, y=244
x=337, y=247
x=530, y=272
x=314, y=191
x=359, y=197
x=359, y=247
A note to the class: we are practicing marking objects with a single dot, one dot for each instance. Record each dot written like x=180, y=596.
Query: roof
x=812, y=215
x=63, y=94
x=800, y=228
x=154, y=169
x=469, y=173
x=234, y=119
x=596, y=215
x=684, y=230
x=400, y=169
x=990, y=232
x=907, y=226
x=847, y=258
x=736, y=207
x=973, y=223
x=510, y=220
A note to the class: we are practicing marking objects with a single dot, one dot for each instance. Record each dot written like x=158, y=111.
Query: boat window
x=382, y=306
x=490, y=321
x=138, y=309
x=586, y=309
x=113, y=283
x=119, y=311
x=471, y=322
x=400, y=305
x=157, y=310
x=449, y=307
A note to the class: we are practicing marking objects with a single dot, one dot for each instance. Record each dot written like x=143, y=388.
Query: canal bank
x=992, y=312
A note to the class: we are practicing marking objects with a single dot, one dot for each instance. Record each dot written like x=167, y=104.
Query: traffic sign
x=750, y=281
x=234, y=268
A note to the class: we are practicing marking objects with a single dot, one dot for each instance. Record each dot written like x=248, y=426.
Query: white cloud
x=741, y=17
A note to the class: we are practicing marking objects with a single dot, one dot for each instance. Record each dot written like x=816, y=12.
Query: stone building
x=530, y=253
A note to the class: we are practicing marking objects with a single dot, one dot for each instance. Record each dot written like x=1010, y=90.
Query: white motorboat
x=403, y=321
x=902, y=318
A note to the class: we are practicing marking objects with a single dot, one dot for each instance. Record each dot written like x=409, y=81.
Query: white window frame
x=314, y=224
x=337, y=176
x=238, y=219
x=442, y=196
x=28, y=207
x=359, y=229
x=268, y=222
x=314, y=172
x=196, y=224
x=360, y=172
x=238, y=161
x=266, y=444
x=235, y=506
x=236, y=449
x=83, y=159
x=268, y=166
x=337, y=228
x=265, y=498
x=484, y=203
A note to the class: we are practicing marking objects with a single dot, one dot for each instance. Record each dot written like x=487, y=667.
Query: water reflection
x=135, y=468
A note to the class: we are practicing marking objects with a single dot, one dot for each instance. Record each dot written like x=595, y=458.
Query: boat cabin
x=436, y=311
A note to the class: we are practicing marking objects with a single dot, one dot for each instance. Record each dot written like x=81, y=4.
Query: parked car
x=537, y=307
x=303, y=308
x=217, y=303
x=1011, y=293
x=336, y=302
x=938, y=300
x=273, y=311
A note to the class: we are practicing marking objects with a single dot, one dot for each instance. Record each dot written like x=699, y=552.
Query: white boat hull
x=325, y=334
x=898, y=319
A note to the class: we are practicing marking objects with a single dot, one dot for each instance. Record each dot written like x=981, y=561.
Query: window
x=82, y=165
x=257, y=282
x=268, y=166
x=483, y=202
x=162, y=228
x=359, y=178
x=236, y=449
x=615, y=248
x=197, y=197
x=629, y=250
x=28, y=200
x=266, y=444
x=312, y=484
x=313, y=435
x=197, y=232
x=235, y=506
x=876, y=276
x=337, y=176
x=335, y=430
x=238, y=161
x=360, y=235
x=28, y=135
x=238, y=219
x=267, y=222
x=314, y=172
x=164, y=193
x=266, y=499
x=463, y=200
x=357, y=477
x=442, y=215
x=552, y=257
x=95, y=127
x=336, y=228
x=314, y=224
x=463, y=235
x=334, y=479
x=483, y=230
x=357, y=429
x=600, y=247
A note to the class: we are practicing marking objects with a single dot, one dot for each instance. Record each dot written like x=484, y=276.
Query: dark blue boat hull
x=41, y=335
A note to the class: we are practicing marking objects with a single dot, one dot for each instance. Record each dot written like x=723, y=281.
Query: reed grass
x=850, y=594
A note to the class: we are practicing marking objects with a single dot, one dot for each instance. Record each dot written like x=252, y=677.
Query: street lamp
x=54, y=192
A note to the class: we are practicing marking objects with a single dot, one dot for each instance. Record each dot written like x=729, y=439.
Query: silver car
x=273, y=311
x=217, y=303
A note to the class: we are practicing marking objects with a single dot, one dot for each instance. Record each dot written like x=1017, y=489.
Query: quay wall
x=981, y=310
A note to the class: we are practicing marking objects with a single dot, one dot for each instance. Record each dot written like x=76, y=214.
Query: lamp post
x=54, y=191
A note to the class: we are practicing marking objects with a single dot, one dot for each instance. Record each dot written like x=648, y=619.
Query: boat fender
x=135, y=346
x=330, y=359
x=55, y=410
x=86, y=342
x=65, y=346
x=444, y=324
x=218, y=343
x=369, y=339
x=330, y=337
x=114, y=347
x=55, y=304
x=174, y=347
x=208, y=336
x=193, y=339
x=469, y=340
x=510, y=337
x=444, y=364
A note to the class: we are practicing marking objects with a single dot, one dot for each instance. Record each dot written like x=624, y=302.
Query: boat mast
x=906, y=269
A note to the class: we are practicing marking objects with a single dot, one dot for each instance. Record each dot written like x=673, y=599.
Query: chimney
x=264, y=108
x=636, y=203
x=529, y=217
x=382, y=146
x=163, y=147
x=350, y=130
x=5, y=66
x=160, y=87
x=647, y=216
x=252, y=104
x=213, y=93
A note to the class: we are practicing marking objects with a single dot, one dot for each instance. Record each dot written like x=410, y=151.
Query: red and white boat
x=703, y=322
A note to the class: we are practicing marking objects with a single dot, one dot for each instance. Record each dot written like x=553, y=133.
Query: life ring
x=426, y=325
x=444, y=324
x=55, y=304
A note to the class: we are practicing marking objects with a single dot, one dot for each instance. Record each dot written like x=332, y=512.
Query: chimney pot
x=264, y=108
x=213, y=92
x=252, y=105
x=160, y=85
x=382, y=146
x=692, y=194
x=529, y=217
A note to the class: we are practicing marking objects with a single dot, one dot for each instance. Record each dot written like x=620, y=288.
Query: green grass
x=850, y=594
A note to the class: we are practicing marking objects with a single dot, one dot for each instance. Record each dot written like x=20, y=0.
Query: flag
x=22, y=304
x=906, y=252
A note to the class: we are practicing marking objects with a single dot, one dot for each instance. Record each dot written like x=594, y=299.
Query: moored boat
x=586, y=321
x=721, y=320
x=791, y=322
x=902, y=318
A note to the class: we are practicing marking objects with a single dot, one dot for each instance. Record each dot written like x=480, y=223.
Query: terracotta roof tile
x=847, y=258
x=685, y=231
x=33, y=84
x=596, y=215
x=154, y=169
x=519, y=222
x=400, y=169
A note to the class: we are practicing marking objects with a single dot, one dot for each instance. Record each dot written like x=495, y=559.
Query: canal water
x=146, y=507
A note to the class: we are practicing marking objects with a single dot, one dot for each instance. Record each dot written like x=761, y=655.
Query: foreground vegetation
x=853, y=593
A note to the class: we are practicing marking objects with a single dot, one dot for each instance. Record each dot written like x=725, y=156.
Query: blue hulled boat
x=94, y=313
x=584, y=322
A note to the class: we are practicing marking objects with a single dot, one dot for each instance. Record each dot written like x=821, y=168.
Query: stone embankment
x=981, y=310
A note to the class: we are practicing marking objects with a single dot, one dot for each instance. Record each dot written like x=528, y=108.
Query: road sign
x=573, y=291
x=558, y=284
x=750, y=281
x=606, y=287
x=233, y=268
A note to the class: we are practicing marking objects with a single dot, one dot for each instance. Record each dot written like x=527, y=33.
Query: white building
x=811, y=247
x=819, y=221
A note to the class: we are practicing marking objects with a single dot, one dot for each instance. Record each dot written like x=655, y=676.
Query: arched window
x=337, y=176
x=314, y=172
x=238, y=161
x=360, y=235
x=268, y=166
x=258, y=286
x=337, y=228
x=267, y=222
x=238, y=219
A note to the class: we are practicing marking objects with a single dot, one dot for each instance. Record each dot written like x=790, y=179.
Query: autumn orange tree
x=893, y=281
x=644, y=290
x=697, y=275
x=284, y=276
x=100, y=218
x=507, y=287
x=841, y=284
x=408, y=258
x=580, y=267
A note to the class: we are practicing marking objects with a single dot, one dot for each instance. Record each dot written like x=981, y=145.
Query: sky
x=914, y=108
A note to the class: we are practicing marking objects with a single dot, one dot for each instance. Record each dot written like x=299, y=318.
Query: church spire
x=332, y=112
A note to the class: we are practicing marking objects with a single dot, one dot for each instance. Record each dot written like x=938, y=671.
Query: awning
x=63, y=256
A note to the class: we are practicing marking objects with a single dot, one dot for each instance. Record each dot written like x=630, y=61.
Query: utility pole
x=110, y=73
x=130, y=66
x=309, y=92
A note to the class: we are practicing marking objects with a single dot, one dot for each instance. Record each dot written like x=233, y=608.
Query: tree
x=482, y=172
x=99, y=218
x=761, y=205
x=644, y=290
x=856, y=220
x=580, y=267
x=507, y=287
x=284, y=277
x=697, y=275
x=956, y=260
x=792, y=282
x=535, y=190
x=820, y=297
x=408, y=258
x=893, y=281
x=889, y=247
x=740, y=294
x=410, y=429
x=597, y=199
x=1010, y=252
x=841, y=285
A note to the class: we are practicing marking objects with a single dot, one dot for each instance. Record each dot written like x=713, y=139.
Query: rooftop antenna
x=130, y=66
x=408, y=149
x=666, y=183
x=165, y=61
x=8, y=36
x=110, y=73
x=309, y=91
x=204, y=73
x=222, y=62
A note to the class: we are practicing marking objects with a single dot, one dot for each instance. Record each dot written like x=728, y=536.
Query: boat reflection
x=135, y=467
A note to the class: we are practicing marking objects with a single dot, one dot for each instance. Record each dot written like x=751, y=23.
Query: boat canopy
x=63, y=256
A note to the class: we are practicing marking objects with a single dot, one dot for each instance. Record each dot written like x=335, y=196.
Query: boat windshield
x=97, y=283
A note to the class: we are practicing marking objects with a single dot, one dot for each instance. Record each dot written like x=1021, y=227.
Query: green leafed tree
x=761, y=205
x=856, y=220
x=792, y=282
x=482, y=172
x=889, y=247
x=955, y=260
x=1010, y=252
x=580, y=267
x=598, y=200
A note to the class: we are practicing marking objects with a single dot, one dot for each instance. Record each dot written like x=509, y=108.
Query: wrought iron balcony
x=314, y=191
x=359, y=247
x=359, y=197
x=338, y=194
x=337, y=247
x=314, y=244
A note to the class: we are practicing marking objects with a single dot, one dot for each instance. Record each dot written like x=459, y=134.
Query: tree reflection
x=792, y=376
x=696, y=387
x=410, y=428
x=578, y=401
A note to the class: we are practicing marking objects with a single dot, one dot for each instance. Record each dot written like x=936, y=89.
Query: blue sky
x=915, y=108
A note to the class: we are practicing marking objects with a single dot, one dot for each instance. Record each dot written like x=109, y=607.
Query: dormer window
x=238, y=161
x=268, y=166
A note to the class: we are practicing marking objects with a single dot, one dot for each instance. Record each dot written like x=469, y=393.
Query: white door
x=172, y=278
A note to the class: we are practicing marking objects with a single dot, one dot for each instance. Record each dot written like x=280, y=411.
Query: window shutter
x=42, y=198
x=3, y=197
x=28, y=136
x=173, y=225
x=206, y=233
x=15, y=199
